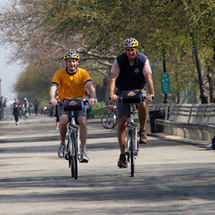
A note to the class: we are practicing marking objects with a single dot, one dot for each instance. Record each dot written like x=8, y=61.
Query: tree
x=34, y=83
x=46, y=28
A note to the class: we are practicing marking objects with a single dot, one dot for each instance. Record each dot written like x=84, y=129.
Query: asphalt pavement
x=172, y=175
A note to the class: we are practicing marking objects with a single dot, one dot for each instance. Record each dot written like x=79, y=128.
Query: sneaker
x=84, y=157
x=61, y=150
x=143, y=137
x=122, y=161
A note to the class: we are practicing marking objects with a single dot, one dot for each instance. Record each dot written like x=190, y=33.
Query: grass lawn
x=99, y=109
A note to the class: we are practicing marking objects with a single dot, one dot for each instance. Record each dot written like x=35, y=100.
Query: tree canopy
x=44, y=30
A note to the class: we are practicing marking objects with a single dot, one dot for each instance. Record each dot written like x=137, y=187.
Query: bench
x=194, y=121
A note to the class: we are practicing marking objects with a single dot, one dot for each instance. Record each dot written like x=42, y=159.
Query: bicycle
x=73, y=151
x=109, y=120
x=131, y=144
x=25, y=113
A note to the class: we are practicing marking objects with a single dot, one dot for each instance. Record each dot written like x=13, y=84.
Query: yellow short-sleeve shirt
x=70, y=86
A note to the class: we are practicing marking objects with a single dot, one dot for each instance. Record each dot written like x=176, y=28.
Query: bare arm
x=91, y=91
x=150, y=85
x=52, y=92
x=112, y=82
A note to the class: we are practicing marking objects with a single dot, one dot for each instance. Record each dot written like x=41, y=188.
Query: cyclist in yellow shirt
x=71, y=82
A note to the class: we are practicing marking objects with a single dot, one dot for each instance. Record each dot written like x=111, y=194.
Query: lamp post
x=164, y=70
x=203, y=95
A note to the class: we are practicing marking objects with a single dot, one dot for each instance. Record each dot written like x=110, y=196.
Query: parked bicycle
x=73, y=151
x=131, y=144
x=109, y=120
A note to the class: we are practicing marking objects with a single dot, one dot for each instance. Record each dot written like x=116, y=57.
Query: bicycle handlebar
x=85, y=101
x=120, y=98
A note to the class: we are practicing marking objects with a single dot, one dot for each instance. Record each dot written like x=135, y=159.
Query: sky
x=8, y=74
x=8, y=71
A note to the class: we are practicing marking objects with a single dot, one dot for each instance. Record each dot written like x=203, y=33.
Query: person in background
x=36, y=106
x=25, y=107
x=29, y=108
x=16, y=110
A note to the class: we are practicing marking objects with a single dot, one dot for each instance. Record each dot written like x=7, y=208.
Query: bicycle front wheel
x=74, y=156
x=132, y=137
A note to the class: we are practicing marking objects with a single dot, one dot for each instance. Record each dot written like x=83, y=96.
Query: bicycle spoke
x=104, y=121
x=109, y=121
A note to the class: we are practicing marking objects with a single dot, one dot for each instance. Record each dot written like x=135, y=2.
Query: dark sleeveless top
x=131, y=77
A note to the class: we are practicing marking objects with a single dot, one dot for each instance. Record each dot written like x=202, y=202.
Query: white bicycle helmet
x=71, y=55
x=130, y=42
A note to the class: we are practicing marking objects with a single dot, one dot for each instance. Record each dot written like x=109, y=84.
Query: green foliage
x=34, y=83
x=165, y=29
x=99, y=109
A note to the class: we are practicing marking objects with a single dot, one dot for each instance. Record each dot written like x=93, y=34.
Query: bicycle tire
x=132, y=152
x=69, y=155
x=109, y=121
x=74, y=157
x=112, y=120
x=104, y=121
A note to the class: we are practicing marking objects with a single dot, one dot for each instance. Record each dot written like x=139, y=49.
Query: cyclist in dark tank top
x=131, y=70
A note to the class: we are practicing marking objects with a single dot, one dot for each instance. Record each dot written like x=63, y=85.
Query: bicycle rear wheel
x=109, y=121
x=74, y=156
x=104, y=121
x=112, y=120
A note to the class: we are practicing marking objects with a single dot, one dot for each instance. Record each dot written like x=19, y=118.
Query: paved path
x=172, y=177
